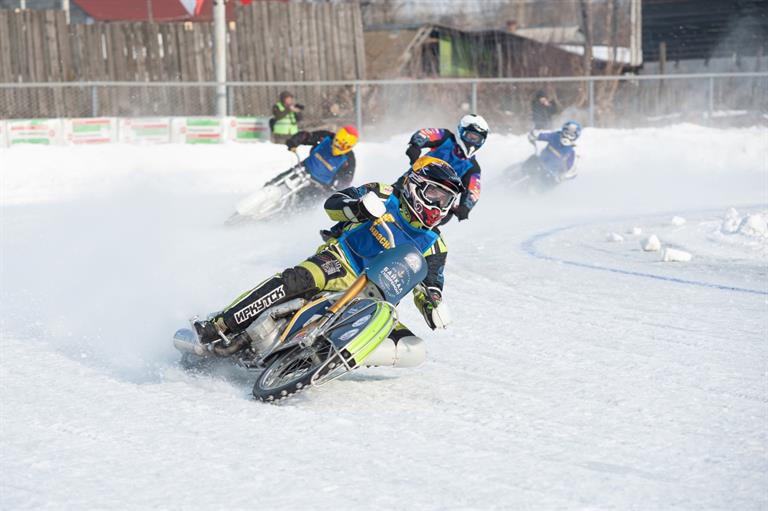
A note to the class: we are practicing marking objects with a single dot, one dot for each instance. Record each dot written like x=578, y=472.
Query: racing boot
x=400, y=349
x=207, y=332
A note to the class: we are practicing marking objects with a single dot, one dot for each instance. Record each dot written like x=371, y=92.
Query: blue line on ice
x=529, y=247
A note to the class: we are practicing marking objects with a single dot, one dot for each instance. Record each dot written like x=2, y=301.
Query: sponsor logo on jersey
x=394, y=279
x=331, y=267
x=381, y=238
x=252, y=310
x=414, y=262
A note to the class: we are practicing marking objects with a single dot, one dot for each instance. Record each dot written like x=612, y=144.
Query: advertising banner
x=249, y=129
x=145, y=130
x=91, y=130
x=197, y=130
x=33, y=131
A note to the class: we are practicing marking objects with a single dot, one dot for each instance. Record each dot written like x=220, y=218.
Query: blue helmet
x=570, y=132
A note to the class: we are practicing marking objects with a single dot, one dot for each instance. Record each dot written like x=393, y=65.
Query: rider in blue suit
x=331, y=161
x=557, y=159
x=459, y=151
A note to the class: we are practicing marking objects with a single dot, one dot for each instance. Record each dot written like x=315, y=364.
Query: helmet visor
x=472, y=137
x=440, y=196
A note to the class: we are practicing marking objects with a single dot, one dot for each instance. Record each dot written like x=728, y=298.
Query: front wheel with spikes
x=292, y=371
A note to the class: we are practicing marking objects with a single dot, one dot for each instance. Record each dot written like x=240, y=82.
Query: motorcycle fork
x=355, y=289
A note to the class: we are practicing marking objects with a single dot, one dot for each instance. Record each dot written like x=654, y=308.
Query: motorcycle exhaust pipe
x=185, y=341
x=234, y=347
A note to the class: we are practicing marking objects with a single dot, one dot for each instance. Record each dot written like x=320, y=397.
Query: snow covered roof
x=623, y=55
x=552, y=35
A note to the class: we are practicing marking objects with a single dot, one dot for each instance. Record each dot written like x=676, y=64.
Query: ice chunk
x=651, y=243
x=731, y=222
x=675, y=255
x=635, y=231
x=614, y=237
x=754, y=225
x=678, y=221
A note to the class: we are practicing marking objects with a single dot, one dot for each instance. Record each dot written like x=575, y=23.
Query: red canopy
x=161, y=10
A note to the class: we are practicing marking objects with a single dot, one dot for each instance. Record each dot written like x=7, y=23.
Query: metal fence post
x=358, y=108
x=591, y=89
x=473, y=106
x=711, y=98
x=220, y=55
x=94, y=102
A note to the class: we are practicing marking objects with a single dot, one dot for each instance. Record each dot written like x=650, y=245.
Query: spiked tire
x=291, y=372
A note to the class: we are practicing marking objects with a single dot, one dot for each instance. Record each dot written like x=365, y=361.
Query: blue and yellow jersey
x=321, y=164
x=359, y=242
x=441, y=144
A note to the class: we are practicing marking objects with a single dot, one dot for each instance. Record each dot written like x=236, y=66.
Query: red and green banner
x=198, y=130
x=150, y=130
x=249, y=129
x=91, y=130
x=33, y=131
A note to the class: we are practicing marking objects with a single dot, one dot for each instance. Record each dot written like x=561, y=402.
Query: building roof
x=553, y=35
x=387, y=51
x=156, y=10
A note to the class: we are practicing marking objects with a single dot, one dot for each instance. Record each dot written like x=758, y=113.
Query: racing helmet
x=430, y=189
x=472, y=132
x=570, y=132
x=344, y=140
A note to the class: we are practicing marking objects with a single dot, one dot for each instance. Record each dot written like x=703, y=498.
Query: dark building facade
x=704, y=29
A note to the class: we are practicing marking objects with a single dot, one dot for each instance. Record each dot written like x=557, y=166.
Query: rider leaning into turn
x=428, y=192
x=459, y=152
x=331, y=161
x=559, y=157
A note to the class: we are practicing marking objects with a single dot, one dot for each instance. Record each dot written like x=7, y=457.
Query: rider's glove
x=533, y=136
x=292, y=148
x=430, y=302
x=368, y=208
x=462, y=212
x=413, y=152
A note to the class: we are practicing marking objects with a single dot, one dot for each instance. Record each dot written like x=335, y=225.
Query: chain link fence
x=387, y=107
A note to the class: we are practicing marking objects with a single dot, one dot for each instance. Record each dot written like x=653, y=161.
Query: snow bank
x=105, y=251
x=731, y=221
x=754, y=226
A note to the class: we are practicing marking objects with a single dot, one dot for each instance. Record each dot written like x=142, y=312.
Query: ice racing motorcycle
x=307, y=343
x=531, y=176
x=292, y=190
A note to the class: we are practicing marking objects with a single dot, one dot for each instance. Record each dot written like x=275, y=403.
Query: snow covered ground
x=579, y=374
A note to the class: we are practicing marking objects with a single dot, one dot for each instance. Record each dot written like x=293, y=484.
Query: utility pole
x=220, y=55
x=65, y=8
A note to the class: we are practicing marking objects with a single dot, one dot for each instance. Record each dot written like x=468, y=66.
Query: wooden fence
x=269, y=41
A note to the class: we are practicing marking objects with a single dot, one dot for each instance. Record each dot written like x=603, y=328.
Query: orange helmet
x=344, y=140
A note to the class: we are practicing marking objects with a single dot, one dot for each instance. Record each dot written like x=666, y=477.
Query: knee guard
x=408, y=351
x=298, y=281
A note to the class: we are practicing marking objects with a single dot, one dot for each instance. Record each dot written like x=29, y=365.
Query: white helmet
x=472, y=132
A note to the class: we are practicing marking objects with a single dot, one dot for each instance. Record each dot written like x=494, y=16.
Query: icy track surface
x=573, y=377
